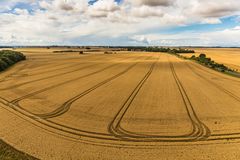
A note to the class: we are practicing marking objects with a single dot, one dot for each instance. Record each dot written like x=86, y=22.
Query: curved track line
x=214, y=84
x=66, y=106
x=203, y=129
x=48, y=71
x=55, y=69
x=74, y=65
x=66, y=131
x=224, y=135
x=219, y=74
x=44, y=66
x=16, y=101
x=200, y=131
x=45, y=78
x=14, y=73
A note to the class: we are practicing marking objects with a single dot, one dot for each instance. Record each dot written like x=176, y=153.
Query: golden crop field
x=120, y=106
x=227, y=56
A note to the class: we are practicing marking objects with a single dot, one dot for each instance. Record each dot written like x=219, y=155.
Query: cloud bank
x=125, y=22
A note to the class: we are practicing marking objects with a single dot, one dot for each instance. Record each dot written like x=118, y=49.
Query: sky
x=120, y=22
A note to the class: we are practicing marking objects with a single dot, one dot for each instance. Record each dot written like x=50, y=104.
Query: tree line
x=161, y=49
x=203, y=59
x=9, y=58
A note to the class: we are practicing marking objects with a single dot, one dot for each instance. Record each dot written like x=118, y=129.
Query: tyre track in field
x=113, y=126
x=70, y=130
x=60, y=129
x=45, y=78
x=64, y=64
x=75, y=134
x=66, y=106
x=44, y=67
x=200, y=131
x=224, y=135
x=14, y=73
x=5, y=79
x=55, y=69
x=212, y=73
x=203, y=130
x=17, y=100
x=214, y=84
x=64, y=67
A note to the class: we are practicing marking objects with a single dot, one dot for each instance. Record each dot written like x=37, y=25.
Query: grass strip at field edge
x=8, y=152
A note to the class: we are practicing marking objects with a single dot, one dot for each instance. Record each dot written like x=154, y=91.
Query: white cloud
x=236, y=28
x=68, y=21
x=211, y=21
x=21, y=11
x=226, y=37
x=141, y=38
x=217, y=8
x=146, y=11
x=103, y=8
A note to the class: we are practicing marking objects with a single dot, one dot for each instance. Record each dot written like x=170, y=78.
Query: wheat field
x=227, y=56
x=120, y=106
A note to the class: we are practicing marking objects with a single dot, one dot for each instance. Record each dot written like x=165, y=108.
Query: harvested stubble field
x=119, y=106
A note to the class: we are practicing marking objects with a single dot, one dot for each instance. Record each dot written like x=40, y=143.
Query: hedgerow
x=9, y=58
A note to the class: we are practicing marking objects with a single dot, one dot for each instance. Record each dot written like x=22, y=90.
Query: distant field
x=228, y=56
x=120, y=106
